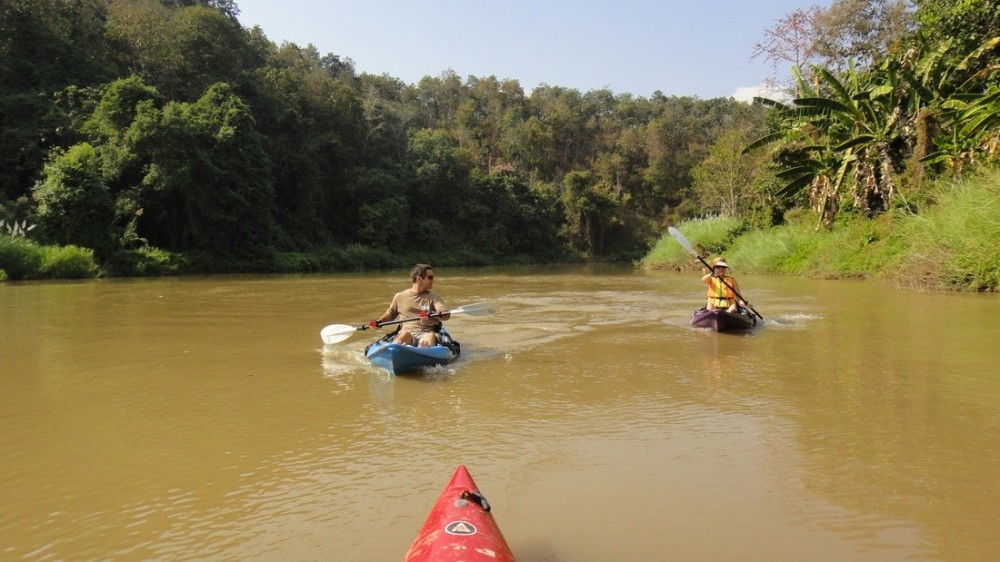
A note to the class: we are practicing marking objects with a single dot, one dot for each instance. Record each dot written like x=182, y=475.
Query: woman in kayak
x=417, y=302
x=720, y=295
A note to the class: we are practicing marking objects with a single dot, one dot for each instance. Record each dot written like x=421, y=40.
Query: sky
x=696, y=48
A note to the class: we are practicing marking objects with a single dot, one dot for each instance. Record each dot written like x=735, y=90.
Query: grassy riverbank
x=951, y=243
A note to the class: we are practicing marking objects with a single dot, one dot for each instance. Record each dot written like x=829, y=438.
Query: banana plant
x=847, y=135
x=841, y=133
x=969, y=118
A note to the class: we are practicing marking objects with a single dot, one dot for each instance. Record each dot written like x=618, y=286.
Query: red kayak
x=460, y=527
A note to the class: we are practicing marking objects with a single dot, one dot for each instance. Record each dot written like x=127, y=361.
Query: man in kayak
x=417, y=301
x=719, y=295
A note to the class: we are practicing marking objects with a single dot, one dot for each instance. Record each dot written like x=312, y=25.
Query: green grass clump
x=709, y=237
x=67, y=262
x=144, y=262
x=20, y=258
x=954, y=244
x=787, y=249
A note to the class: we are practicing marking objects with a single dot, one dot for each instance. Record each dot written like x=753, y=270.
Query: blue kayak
x=399, y=359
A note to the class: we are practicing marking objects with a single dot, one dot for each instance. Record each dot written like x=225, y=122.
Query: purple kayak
x=721, y=320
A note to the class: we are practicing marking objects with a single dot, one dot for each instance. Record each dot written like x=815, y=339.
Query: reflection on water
x=203, y=419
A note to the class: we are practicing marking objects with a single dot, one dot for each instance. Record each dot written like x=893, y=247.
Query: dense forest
x=160, y=136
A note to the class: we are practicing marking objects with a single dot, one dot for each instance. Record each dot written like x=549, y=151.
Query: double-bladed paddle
x=687, y=246
x=336, y=333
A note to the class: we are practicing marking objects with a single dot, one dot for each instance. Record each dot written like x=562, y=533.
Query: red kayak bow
x=460, y=527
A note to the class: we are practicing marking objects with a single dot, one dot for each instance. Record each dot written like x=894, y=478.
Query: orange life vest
x=719, y=293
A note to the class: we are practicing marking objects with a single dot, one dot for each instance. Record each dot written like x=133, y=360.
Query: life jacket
x=718, y=293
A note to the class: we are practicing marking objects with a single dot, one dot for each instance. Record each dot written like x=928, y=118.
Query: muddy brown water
x=202, y=419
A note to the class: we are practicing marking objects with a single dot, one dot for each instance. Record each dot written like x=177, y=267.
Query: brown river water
x=203, y=419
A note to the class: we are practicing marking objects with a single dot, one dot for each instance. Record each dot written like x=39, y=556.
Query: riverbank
x=949, y=242
x=945, y=242
x=24, y=259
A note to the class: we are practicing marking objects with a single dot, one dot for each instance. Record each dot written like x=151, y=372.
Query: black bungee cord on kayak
x=476, y=498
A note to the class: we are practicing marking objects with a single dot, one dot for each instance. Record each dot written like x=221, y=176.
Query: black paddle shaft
x=402, y=320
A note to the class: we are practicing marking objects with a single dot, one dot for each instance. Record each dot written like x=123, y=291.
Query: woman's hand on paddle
x=374, y=325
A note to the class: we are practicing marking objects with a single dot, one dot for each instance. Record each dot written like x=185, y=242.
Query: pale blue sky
x=684, y=48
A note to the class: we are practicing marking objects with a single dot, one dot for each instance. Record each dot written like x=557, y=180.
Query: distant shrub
x=67, y=262
x=363, y=257
x=20, y=258
x=295, y=262
x=471, y=258
x=144, y=262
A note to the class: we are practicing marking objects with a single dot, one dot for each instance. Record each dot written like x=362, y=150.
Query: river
x=202, y=419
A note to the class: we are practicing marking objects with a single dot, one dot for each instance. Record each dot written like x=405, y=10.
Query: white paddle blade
x=478, y=309
x=682, y=240
x=336, y=333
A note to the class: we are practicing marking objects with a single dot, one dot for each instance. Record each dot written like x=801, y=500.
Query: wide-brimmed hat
x=719, y=262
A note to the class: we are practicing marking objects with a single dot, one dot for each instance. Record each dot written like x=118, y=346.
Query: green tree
x=384, y=224
x=387, y=118
x=45, y=46
x=560, y=110
x=305, y=105
x=677, y=138
x=480, y=119
x=108, y=125
x=180, y=51
x=195, y=173
x=589, y=212
x=74, y=202
x=502, y=215
x=437, y=99
x=441, y=170
x=210, y=175
x=967, y=23
x=727, y=182
x=227, y=7
x=961, y=122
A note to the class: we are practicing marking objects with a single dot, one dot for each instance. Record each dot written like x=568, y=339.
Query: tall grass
x=709, y=237
x=956, y=243
x=953, y=244
x=788, y=249
x=856, y=248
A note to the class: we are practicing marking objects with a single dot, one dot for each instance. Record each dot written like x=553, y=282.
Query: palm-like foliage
x=970, y=116
x=843, y=136
x=981, y=120
x=847, y=136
